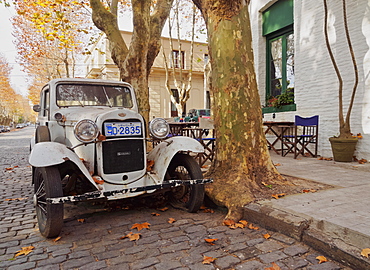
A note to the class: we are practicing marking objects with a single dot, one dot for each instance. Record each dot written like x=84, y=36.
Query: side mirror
x=37, y=108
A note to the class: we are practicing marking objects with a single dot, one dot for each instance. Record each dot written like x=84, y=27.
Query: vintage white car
x=91, y=143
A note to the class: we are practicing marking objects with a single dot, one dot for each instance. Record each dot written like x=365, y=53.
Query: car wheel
x=42, y=134
x=184, y=167
x=49, y=216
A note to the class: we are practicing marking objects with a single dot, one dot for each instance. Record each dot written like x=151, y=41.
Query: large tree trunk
x=134, y=62
x=242, y=158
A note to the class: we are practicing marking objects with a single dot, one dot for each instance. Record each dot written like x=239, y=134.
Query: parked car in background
x=7, y=128
x=19, y=126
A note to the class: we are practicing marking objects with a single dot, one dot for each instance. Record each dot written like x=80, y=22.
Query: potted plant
x=285, y=98
x=344, y=145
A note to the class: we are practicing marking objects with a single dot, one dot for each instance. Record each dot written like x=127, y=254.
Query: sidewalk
x=334, y=221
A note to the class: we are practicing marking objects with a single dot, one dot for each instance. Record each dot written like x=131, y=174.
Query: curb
x=341, y=244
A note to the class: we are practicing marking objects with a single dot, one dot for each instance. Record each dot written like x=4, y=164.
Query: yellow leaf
x=365, y=252
x=131, y=236
x=244, y=222
x=266, y=236
x=208, y=260
x=163, y=209
x=277, y=196
x=321, y=259
x=141, y=226
x=57, y=239
x=81, y=220
x=24, y=251
x=155, y=214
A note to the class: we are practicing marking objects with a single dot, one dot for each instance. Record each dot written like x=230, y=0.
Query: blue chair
x=302, y=138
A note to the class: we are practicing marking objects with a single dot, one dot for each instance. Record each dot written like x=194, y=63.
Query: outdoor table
x=277, y=129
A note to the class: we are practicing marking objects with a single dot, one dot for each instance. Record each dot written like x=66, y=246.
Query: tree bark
x=134, y=62
x=242, y=158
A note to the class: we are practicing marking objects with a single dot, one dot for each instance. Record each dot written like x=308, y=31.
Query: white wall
x=316, y=86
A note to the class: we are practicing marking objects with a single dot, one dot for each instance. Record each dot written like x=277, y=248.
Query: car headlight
x=86, y=131
x=159, y=128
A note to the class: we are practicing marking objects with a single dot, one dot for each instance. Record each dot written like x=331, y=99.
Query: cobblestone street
x=91, y=236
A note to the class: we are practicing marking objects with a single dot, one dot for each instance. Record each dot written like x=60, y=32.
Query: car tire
x=42, y=134
x=48, y=184
x=189, y=197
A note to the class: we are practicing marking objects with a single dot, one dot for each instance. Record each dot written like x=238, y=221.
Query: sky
x=7, y=48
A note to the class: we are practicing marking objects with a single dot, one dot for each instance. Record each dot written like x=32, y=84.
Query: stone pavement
x=91, y=237
x=335, y=221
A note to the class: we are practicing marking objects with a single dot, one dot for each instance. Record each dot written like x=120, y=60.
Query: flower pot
x=343, y=149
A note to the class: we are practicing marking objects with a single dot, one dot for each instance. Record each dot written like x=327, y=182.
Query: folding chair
x=301, y=136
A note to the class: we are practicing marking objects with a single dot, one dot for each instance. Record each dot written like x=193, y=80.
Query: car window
x=93, y=95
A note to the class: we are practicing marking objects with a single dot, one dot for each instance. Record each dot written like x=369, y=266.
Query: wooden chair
x=302, y=138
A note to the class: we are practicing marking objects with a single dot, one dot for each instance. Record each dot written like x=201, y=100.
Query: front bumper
x=104, y=194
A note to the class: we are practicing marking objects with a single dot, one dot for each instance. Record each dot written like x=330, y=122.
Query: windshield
x=93, y=95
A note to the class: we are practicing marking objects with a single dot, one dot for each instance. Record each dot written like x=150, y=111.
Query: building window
x=280, y=59
x=277, y=28
x=178, y=59
x=206, y=59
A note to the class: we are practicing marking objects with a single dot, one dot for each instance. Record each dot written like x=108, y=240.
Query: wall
x=316, y=86
x=100, y=65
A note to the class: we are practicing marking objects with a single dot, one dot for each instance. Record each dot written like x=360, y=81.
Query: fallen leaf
x=239, y=225
x=155, y=214
x=229, y=222
x=362, y=161
x=266, y=185
x=98, y=180
x=211, y=241
x=57, y=239
x=16, y=199
x=163, y=209
x=266, y=236
x=208, y=260
x=244, y=222
x=277, y=164
x=250, y=226
x=141, y=226
x=8, y=169
x=24, y=251
x=81, y=220
x=16, y=166
x=171, y=220
x=365, y=252
x=308, y=190
x=208, y=211
x=277, y=196
x=321, y=259
x=149, y=165
x=273, y=267
x=131, y=236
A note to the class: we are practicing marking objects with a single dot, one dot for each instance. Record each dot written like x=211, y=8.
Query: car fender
x=163, y=153
x=44, y=154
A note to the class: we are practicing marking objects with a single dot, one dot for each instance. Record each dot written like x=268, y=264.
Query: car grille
x=123, y=156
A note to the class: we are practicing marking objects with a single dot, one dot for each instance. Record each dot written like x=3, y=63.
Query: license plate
x=118, y=129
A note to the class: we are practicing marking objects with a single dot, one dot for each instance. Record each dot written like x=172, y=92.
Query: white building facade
x=100, y=65
x=290, y=53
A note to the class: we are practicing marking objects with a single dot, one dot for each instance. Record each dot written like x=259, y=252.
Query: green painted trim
x=285, y=108
x=278, y=16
